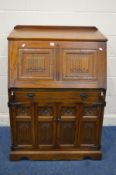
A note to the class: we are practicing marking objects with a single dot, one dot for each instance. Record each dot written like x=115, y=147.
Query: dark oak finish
x=57, y=89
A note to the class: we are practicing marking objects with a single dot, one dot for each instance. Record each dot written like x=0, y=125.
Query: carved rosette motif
x=45, y=111
x=68, y=111
x=22, y=110
x=90, y=111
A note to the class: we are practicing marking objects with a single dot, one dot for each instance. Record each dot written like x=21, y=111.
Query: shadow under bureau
x=57, y=89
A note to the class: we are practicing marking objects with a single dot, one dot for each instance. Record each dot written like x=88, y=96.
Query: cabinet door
x=32, y=63
x=67, y=125
x=82, y=64
x=22, y=126
x=89, y=127
x=46, y=126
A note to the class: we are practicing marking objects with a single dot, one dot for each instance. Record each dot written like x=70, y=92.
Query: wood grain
x=57, y=88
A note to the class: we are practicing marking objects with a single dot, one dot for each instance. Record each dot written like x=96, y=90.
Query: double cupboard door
x=55, y=125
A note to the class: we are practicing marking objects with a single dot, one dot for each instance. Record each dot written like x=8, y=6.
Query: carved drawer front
x=46, y=125
x=84, y=96
x=89, y=126
x=21, y=115
x=80, y=62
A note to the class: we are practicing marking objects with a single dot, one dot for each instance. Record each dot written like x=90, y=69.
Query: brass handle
x=30, y=95
x=84, y=96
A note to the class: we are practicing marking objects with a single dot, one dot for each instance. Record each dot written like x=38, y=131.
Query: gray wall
x=59, y=12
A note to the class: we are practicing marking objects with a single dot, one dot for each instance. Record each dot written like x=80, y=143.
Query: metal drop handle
x=83, y=96
x=30, y=95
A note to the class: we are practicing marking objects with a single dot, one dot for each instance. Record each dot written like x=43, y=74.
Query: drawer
x=84, y=96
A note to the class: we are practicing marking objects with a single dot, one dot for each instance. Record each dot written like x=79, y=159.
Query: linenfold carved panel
x=88, y=132
x=79, y=64
x=24, y=132
x=67, y=127
x=45, y=133
x=35, y=63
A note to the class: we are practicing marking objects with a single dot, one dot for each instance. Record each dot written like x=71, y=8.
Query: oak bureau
x=57, y=89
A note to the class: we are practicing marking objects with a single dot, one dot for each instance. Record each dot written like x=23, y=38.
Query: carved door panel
x=89, y=126
x=32, y=61
x=23, y=127
x=80, y=63
x=46, y=126
x=67, y=125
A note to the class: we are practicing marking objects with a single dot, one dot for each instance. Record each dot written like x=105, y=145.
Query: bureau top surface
x=72, y=33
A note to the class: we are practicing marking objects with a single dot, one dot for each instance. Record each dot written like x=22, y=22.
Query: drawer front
x=81, y=96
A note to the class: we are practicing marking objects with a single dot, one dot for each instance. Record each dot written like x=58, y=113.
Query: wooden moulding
x=73, y=33
x=57, y=88
x=55, y=155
